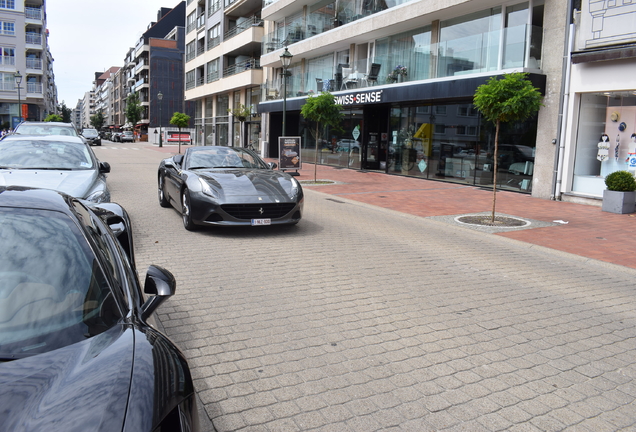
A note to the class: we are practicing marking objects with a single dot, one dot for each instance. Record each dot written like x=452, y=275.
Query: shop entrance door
x=374, y=140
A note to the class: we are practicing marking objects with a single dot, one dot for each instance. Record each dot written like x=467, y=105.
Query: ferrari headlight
x=208, y=190
x=295, y=188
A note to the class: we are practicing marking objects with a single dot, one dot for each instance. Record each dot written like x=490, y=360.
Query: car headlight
x=98, y=196
x=295, y=189
x=208, y=190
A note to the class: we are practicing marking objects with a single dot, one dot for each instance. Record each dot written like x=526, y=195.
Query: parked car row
x=77, y=348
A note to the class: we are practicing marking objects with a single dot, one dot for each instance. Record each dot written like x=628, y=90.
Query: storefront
x=601, y=126
x=429, y=130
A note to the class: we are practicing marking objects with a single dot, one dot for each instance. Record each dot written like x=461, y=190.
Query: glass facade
x=605, y=141
x=449, y=142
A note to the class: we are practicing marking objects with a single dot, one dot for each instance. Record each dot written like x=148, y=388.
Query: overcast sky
x=88, y=36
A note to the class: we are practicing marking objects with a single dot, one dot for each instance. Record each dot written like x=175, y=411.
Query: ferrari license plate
x=261, y=222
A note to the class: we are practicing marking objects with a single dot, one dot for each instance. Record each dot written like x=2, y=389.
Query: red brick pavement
x=589, y=232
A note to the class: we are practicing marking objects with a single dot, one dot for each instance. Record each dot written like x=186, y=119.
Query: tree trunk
x=316, y=161
x=495, y=168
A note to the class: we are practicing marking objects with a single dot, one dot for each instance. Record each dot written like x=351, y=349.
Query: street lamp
x=160, y=97
x=18, y=81
x=286, y=59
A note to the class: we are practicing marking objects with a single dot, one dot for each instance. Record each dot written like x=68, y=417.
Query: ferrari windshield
x=223, y=157
x=39, y=154
x=52, y=290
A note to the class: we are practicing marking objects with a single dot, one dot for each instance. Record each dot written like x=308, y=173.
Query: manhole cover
x=486, y=220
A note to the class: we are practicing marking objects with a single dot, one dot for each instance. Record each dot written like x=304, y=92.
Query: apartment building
x=88, y=109
x=406, y=72
x=223, y=71
x=25, y=58
x=599, y=121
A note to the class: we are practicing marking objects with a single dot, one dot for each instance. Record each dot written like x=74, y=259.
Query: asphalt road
x=365, y=319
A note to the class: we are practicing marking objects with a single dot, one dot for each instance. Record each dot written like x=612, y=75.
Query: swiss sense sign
x=359, y=98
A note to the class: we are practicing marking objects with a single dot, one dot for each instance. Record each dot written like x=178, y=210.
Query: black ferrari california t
x=77, y=352
x=217, y=185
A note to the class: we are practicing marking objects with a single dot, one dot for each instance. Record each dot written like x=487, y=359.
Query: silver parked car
x=62, y=163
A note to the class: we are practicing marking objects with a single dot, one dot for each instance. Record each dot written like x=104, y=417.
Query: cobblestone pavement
x=361, y=318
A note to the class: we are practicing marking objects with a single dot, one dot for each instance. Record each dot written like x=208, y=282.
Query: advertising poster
x=174, y=136
x=289, y=151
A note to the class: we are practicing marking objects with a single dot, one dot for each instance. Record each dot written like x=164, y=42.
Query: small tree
x=53, y=118
x=133, y=109
x=66, y=112
x=323, y=110
x=97, y=120
x=241, y=113
x=511, y=98
x=180, y=120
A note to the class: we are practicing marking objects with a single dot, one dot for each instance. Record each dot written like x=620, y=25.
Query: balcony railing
x=33, y=38
x=212, y=76
x=34, y=87
x=488, y=52
x=34, y=63
x=213, y=42
x=242, y=67
x=213, y=6
x=33, y=13
x=240, y=28
x=8, y=61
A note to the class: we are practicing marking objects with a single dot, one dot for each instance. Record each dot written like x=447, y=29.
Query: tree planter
x=619, y=202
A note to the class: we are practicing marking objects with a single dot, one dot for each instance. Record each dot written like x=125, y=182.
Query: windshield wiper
x=49, y=169
x=6, y=357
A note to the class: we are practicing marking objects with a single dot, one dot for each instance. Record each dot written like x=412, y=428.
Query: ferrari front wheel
x=163, y=201
x=186, y=211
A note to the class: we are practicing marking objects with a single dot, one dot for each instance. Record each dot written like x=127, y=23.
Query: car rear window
x=33, y=153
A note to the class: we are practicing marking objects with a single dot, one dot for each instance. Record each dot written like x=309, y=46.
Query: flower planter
x=619, y=202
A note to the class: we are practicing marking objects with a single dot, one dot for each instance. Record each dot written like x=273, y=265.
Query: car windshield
x=27, y=129
x=223, y=157
x=32, y=154
x=89, y=132
x=52, y=290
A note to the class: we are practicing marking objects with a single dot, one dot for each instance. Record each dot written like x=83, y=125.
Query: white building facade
x=600, y=114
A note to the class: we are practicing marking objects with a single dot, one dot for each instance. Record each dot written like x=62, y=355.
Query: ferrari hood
x=74, y=183
x=80, y=387
x=264, y=184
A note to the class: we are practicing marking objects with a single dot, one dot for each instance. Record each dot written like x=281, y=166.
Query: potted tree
x=620, y=195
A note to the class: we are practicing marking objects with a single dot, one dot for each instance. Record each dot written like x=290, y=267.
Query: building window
x=7, y=81
x=191, y=22
x=7, y=28
x=7, y=4
x=214, y=36
x=8, y=56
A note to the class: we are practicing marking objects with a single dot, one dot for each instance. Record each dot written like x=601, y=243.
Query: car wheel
x=163, y=201
x=186, y=211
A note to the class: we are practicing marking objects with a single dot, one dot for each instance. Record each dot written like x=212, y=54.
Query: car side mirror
x=160, y=284
x=104, y=167
x=178, y=159
x=272, y=165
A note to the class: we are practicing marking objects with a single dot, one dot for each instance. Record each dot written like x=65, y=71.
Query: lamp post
x=286, y=59
x=160, y=97
x=18, y=81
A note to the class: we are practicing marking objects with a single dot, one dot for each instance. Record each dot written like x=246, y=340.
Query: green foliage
x=180, y=120
x=54, y=118
x=621, y=181
x=511, y=98
x=324, y=111
x=97, y=120
x=133, y=109
x=241, y=113
x=66, y=112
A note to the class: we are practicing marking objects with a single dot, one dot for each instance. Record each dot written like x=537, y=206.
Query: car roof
x=26, y=123
x=41, y=199
x=51, y=138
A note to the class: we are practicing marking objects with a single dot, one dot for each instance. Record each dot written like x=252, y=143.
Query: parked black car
x=77, y=352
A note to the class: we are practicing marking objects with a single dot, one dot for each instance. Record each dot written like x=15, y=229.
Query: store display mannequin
x=603, y=148
x=631, y=156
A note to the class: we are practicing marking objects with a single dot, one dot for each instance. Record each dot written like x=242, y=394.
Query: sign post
x=289, y=154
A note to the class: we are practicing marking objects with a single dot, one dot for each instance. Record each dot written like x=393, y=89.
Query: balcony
x=33, y=13
x=34, y=63
x=34, y=87
x=246, y=24
x=33, y=39
x=241, y=67
x=8, y=61
x=488, y=52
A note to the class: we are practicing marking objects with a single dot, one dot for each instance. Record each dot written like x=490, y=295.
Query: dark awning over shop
x=434, y=91
x=618, y=53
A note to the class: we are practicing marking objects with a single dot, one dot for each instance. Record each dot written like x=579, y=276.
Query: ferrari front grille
x=258, y=211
